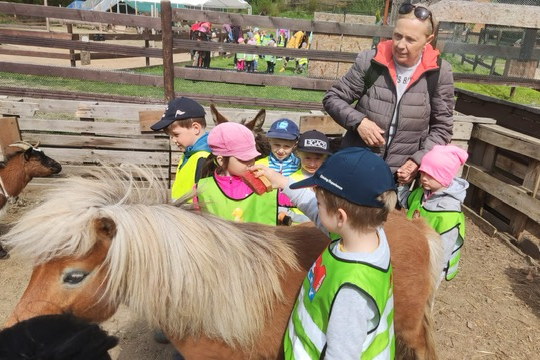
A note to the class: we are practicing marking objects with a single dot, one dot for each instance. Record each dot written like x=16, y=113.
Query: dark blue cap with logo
x=284, y=129
x=179, y=109
x=355, y=174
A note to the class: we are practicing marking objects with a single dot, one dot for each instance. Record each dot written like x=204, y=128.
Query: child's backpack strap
x=376, y=70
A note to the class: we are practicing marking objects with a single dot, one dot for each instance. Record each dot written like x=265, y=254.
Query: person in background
x=270, y=59
x=224, y=193
x=295, y=42
x=439, y=201
x=301, y=63
x=283, y=137
x=395, y=114
x=345, y=306
x=184, y=121
x=240, y=58
x=250, y=58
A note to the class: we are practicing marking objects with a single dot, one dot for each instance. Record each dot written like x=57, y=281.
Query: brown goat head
x=255, y=125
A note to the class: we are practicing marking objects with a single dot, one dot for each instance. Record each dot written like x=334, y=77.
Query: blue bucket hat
x=284, y=129
x=355, y=174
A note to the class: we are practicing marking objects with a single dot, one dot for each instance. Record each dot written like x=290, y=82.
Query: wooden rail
x=504, y=173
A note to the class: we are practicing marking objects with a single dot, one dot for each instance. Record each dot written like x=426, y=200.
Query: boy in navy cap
x=283, y=138
x=184, y=121
x=348, y=292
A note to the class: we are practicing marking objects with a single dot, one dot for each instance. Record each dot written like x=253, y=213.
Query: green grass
x=522, y=95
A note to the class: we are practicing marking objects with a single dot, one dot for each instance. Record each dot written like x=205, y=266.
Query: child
x=250, y=58
x=301, y=63
x=240, y=58
x=312, y=150
x=184, y=121
x=439, y=200
x=270, y=59
x=224, y=193
x=283, y=136
x=345, y=306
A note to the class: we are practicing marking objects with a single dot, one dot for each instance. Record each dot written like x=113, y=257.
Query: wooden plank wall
x=504, y=173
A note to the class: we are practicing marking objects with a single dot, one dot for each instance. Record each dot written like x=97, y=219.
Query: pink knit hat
x=443, y=162
x=233, y=139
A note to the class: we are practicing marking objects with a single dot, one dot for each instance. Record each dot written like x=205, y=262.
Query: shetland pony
x=218, y=289
x=55, y=337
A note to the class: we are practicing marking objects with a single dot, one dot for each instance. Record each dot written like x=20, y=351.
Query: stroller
x=201, y=31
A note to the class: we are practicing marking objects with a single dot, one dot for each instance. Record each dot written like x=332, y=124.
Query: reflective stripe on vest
x=441, y=222
x=305, y=337
x=185, y=175
x=260, y=209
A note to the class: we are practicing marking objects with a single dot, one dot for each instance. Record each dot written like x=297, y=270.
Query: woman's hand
x=407, y=172
x=278, y=180
x=371, y=133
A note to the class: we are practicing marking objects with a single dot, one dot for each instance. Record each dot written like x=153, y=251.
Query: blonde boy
x=345, y=306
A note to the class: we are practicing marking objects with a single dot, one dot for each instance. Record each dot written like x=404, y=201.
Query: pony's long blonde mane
x=189, y=273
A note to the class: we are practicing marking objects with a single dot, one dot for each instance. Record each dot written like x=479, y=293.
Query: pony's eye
x=74, y=277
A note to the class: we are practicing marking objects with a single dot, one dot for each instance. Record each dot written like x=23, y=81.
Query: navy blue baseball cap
x=179, y=109
x=284, y=129
x=355, y=174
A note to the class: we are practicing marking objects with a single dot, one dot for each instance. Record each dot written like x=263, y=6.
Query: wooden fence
x=504, y=173
x=503, y=169
x=172, y=42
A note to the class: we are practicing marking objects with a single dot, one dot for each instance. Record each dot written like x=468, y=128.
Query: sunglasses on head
x=420, y=12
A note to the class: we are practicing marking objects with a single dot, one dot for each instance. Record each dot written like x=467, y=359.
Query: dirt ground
x=491, y=310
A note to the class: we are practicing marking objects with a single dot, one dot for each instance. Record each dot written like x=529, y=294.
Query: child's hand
x=278, y=181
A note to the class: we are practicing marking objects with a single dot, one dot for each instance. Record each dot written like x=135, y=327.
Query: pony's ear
x=105, y=228
x=217, y=116
x=257, y=123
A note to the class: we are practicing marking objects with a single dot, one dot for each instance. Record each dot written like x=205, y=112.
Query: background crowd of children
x=250, y=61
x=348, y=195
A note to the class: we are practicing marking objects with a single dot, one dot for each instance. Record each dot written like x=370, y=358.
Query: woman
x=396, y=116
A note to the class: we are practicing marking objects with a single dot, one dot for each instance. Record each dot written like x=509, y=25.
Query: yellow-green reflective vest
x=441, y=222
x=305, y=337
x=186, y=175
x=260, y=209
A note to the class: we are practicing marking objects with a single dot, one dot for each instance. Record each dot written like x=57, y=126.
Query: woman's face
x=409, y=41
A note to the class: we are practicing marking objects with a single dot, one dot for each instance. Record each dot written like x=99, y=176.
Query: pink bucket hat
x=233, y=139
x=443, y=162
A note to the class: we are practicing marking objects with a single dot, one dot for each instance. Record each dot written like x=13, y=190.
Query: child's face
x=429, y=183
x=311, y=161
x=281, y=148
x=238, y=167
x=184, y=137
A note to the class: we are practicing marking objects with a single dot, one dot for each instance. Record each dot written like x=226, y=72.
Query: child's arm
x=403, y=192
x=303, y=199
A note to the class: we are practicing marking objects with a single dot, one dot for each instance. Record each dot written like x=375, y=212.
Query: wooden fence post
x=167, y=41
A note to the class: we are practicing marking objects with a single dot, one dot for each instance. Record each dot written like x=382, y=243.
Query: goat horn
x=22, y=144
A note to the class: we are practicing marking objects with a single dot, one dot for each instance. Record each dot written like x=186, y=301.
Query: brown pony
x=218, y=289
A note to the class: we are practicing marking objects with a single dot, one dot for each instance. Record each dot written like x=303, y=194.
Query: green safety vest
x=306, y=334
x=186, y=175
x=442, y=222
x=260, y=209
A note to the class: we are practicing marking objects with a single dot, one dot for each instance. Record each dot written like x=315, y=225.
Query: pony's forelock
x=175, y=268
